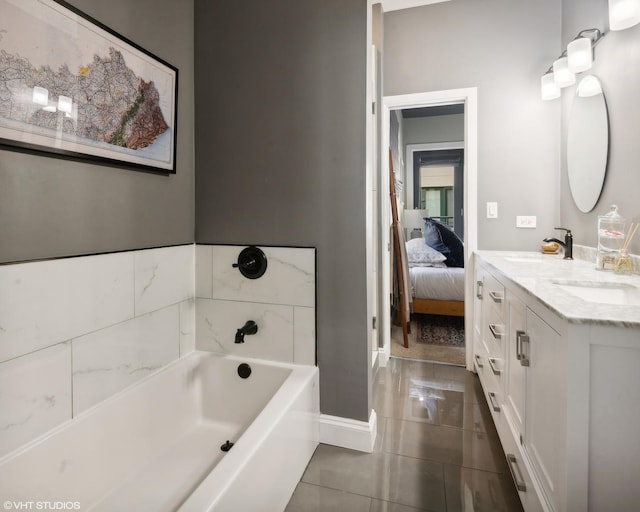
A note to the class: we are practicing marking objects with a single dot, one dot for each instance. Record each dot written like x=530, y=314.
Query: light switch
x=492, y=210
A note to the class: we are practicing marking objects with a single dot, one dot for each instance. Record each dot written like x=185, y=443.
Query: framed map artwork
x=71, y=87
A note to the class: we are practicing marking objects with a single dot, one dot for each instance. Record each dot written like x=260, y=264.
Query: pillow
x=442, y=239
x=420, y=253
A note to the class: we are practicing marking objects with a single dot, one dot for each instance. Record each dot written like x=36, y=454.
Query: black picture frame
x=71, y=87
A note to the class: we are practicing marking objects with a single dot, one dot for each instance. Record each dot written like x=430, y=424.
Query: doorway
x=468, y=98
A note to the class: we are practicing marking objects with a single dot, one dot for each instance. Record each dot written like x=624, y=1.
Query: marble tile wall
x=75, y=331
x=281, y=302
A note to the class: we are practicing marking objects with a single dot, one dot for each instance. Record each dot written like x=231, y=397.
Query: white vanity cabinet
x=563, y=393
x=499, y=317
x=535, y=404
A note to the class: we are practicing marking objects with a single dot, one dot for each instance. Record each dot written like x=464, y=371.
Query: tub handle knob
x=252, y=262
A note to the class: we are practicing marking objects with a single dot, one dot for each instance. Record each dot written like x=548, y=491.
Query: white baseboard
x=348, y=433
x=383, y=357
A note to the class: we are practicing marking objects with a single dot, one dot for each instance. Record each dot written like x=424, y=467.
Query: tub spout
x=249, y=328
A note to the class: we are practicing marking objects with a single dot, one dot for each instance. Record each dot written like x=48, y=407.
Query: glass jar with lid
x=610, y=238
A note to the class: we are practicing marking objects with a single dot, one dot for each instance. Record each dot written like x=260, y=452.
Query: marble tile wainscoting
x=281, y=302
x=77, y=330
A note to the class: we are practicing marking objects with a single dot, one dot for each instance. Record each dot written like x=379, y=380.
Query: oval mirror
x=587, y=143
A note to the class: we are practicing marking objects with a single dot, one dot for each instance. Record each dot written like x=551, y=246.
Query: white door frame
x=468, y=96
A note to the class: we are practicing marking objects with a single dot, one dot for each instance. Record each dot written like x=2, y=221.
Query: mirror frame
x=587, y=143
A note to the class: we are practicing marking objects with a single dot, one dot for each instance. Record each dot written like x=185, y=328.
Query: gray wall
x=51, y=207
x=502, y=48
x=617, y=65
x=424, y=130
x=280, y=137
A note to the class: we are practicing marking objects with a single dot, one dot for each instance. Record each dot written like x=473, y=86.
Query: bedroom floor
x=436, y=450
x=424, y=351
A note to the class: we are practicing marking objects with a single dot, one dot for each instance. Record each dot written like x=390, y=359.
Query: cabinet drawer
x=495, y=336
x=495, y=297
x=492, y=389
x=520, y=470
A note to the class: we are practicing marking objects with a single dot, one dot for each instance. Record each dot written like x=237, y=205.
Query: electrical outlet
x=492, y=210
x=526, y=221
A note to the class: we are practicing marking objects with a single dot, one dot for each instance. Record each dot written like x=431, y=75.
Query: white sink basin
x=601, y=292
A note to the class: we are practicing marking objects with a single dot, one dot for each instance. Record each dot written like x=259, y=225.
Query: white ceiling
x=395, y=5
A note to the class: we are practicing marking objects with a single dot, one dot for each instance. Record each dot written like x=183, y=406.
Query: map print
x=71, y=86
x=103, y=100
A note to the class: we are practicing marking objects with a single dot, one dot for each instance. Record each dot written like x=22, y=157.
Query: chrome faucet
x=249, y=328
x=567, y=244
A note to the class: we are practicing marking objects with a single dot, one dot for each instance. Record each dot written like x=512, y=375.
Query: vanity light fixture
x=578, y=57
x=623, y=14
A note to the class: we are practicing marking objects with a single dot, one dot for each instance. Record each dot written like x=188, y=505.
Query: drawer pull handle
x=480, y=365
x=479, y=289
x=515, y=472
x=496, y=330
x=495, y=370
x=519, y=353
x=496, y=296
x=495, y=407
x=521, y=339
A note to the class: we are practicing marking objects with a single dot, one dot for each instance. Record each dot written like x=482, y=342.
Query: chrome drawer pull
x=519, y=353
x=495, y=407
x=493, y=368
x=479, y=289
x=480, y=365
x=513, y=468
x=496, y=330
x=524, y=338
x=496, y=296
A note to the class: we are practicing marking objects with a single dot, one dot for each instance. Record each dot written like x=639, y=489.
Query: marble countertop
x=562, y=285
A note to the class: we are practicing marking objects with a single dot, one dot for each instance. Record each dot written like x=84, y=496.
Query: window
x=436, y=193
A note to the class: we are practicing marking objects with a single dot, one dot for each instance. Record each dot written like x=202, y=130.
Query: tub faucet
x=567, y=244
x=249, y=328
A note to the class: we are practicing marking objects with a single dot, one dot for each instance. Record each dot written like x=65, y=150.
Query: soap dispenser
x=611, y=229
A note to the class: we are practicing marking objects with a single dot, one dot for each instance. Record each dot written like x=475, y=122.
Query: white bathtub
x=156, y=446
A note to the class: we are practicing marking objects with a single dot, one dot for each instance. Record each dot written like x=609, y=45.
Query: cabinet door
x=515, y=382
x=545, y=429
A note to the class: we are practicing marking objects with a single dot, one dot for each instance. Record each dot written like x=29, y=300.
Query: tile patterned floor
x=436, y=450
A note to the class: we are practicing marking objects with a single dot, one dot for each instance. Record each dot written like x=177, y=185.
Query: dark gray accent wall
x=501, y=47
x=617, y=65
x=51, y=207
x=280, y=138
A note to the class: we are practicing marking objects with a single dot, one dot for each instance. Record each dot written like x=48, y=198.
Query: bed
x=436, y=271
x=437, y=290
